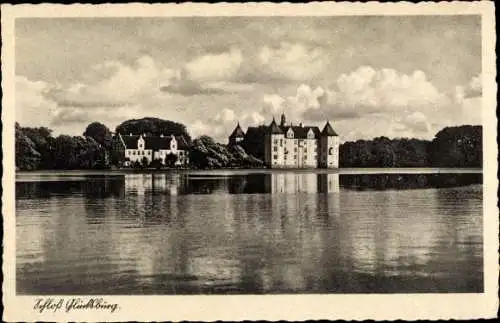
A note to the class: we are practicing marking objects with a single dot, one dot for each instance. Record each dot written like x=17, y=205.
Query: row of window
x=280, y=141
x=140, y=153
x=275, y=149
x=294, y=157
x=290, y=134
x=146, y=152
x=172, y=146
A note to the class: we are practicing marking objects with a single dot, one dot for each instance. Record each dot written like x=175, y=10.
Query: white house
x=137, y=147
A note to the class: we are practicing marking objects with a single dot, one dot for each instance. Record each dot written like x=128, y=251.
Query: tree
x=153, y=126
x=100, y=133
x=144, y=162
x=252, y=143
x=171, y=159
x=457, y=147
x=27, y=157
x=156, y=163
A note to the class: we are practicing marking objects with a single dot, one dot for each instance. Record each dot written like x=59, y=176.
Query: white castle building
x=136, y=148
x=288, y=146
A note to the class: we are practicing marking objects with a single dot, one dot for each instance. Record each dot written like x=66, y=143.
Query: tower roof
x=274, y=129
x=237, y=132
x=328, y=130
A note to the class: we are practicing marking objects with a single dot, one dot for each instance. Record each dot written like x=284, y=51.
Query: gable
x=154, y=142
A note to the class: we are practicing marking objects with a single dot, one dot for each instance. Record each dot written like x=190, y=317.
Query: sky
x=370, y=76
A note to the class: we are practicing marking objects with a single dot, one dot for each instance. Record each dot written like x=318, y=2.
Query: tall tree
x=27, y=157
x=100, y=133
x=153, y=126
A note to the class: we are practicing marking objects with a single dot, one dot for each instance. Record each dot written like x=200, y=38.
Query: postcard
x=251, y=161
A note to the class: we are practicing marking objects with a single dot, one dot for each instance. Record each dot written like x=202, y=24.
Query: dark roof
x=274, y=129
x=328, y=130
x=300, y=132
x=157, y=143
x=181, y=142
x=130, y=141
x=237, y=132
x=154, y=142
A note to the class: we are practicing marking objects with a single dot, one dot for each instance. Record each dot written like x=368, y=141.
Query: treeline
x=37, y=148
x=451, y=147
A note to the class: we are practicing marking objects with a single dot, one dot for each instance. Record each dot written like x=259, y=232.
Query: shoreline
x=247, y=171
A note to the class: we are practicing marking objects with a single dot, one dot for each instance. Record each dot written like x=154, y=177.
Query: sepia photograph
x=236, y=154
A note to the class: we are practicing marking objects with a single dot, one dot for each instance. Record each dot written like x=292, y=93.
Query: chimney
x=300, y=124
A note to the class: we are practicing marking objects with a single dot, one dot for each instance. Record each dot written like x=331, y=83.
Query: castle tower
x=283, y=120
x=329, y=147
x=274, y=150
x=237, y=136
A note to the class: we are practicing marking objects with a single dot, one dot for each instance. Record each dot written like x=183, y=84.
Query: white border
x=280, y=307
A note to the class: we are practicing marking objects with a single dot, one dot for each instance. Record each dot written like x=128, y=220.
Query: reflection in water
x=280, y=232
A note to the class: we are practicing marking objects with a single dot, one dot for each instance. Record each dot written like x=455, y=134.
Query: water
x=240, y=233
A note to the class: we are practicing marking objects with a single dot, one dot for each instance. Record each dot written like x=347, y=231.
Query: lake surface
x=248, y=233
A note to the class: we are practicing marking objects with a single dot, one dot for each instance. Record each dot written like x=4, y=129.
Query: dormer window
x=290, y=133
x=310, y=134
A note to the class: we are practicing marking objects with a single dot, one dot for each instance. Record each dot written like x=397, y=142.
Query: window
x=330, y=152
x=275, y=141
x=275, y=156
x=281, y=142
x=134, y=152
x=275, y=148
x=295, y=149
x=295, y=157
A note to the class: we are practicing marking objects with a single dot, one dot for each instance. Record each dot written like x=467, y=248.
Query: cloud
x=82, y=116
x=369, y=91
x=33, y=108
x=304, y=99
x=190, y=88
x=215, y=67
x=365, y=102
x=417, y=121
x=37, y=106
x=411, y=126
x=475, y=87
x=285, y=63
x=184, y=84
x=406, y=104
x=122, y=85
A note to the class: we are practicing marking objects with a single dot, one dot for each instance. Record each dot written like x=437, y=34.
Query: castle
x=288, y=146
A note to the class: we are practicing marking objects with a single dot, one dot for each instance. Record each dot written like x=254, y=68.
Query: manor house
x=136, y=148
x=286, y=145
